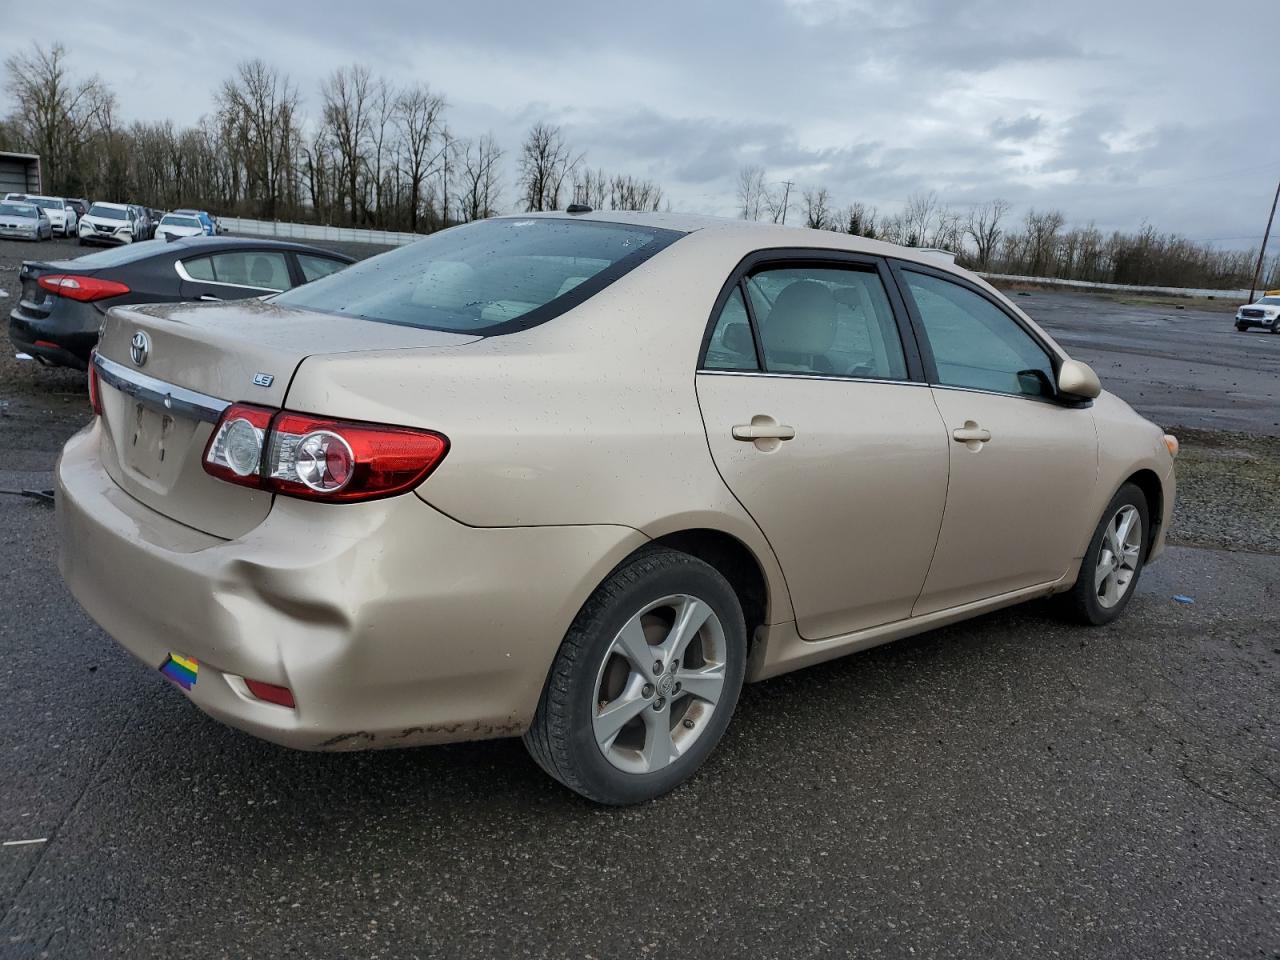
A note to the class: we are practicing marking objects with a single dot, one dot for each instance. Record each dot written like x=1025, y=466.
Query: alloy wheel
x=659, y=683
x=1118, y=556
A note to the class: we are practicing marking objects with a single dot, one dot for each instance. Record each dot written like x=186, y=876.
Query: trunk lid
x=32, y=270
x=211, y=355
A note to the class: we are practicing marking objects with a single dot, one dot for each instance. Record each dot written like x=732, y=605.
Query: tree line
x=375, y=154
x=984, y=237
x=385, y=156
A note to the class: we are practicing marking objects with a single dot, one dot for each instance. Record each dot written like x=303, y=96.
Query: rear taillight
x=95, y=388
x=234, y=452
x=316, y=458
x=83, y=289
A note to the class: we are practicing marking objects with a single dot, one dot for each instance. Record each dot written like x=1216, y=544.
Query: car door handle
x=970, y=433
x=763, y=431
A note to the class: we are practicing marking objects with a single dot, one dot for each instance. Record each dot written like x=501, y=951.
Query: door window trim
x=898, y=267
x=822, y=258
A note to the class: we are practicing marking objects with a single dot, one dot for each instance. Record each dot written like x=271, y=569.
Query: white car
x=1265, y=312
x=108, y=223
x=61, y=216
x=176, y=225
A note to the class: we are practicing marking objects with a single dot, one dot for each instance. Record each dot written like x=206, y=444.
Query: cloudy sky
x=1117, y=112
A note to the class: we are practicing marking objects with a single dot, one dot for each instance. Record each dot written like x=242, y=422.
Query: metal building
x=19, y=173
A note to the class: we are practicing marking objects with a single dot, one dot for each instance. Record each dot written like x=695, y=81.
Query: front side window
x=976, y=344
x=832, y=321
x=489, y=277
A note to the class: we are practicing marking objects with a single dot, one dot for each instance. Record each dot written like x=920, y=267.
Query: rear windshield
x=172, y=221
x=107, y=213
x=490, y=277
x=118, y=256
x=17, y=210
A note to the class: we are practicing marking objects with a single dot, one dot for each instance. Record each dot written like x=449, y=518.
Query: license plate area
x=153, y=441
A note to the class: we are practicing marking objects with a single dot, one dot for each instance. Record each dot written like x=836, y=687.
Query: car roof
x=751, y=235
x=109, y=205
x=205, y=242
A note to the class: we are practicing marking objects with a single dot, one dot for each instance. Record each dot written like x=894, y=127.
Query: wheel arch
x=735, y=561
x=1153, y=491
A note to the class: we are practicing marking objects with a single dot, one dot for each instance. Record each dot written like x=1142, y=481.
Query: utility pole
x=1257, y=274
x=786, y=196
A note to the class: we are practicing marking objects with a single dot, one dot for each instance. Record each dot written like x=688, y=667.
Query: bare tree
x=859, y=220
x=983, y=228
x=347, y=96
x=381, y=116
x=817, y=209
x=1042, y=239
x=546, y=161
x=918, y=217
x=591, y=187
x=419, y=114
x=479, y=176
x=751, y=192
x=258, y=110
x=55, y=115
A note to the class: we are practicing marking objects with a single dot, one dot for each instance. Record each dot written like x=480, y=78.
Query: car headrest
x=260, y=273
x=737, y=337
x=802, y=320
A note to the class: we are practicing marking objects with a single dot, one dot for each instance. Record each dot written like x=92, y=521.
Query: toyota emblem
x=139, y=347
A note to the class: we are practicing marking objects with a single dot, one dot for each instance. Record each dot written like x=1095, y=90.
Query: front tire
x=1113, y=563
x=645, y=681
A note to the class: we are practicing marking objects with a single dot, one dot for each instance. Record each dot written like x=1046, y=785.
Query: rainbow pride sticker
x=181, y=670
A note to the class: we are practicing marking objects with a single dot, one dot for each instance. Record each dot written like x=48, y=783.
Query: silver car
x=21, y=220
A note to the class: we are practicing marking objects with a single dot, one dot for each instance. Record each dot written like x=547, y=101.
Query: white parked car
x=1263, y=313
x=108, y=223
x=61, y=217
x=176, y=225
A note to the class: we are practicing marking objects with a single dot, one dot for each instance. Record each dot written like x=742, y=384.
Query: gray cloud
x=1095, y=107
x=1020, y=128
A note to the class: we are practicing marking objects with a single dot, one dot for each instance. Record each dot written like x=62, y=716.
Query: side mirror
x=1077, y=380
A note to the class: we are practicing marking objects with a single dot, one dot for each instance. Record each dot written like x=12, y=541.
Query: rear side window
x=731, y=346
x=313, y=268
x=976, y=344
x=833, y=321
x=490, y=277
x=261, y=269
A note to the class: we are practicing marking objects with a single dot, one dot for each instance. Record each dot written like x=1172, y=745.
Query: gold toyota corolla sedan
x=578, y=477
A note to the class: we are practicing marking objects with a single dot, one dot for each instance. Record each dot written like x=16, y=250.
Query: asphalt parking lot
x=1009, y=787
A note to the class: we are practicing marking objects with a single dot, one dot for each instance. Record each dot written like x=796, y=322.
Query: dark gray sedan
x=20, y=220
x=63, y=301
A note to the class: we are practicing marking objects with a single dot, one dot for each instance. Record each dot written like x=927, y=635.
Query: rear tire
x=1113, y=563
x=612, y=727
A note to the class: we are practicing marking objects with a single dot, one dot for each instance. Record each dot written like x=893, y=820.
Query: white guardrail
x=393, y=238
x=1086, y=285
x=316, y=231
